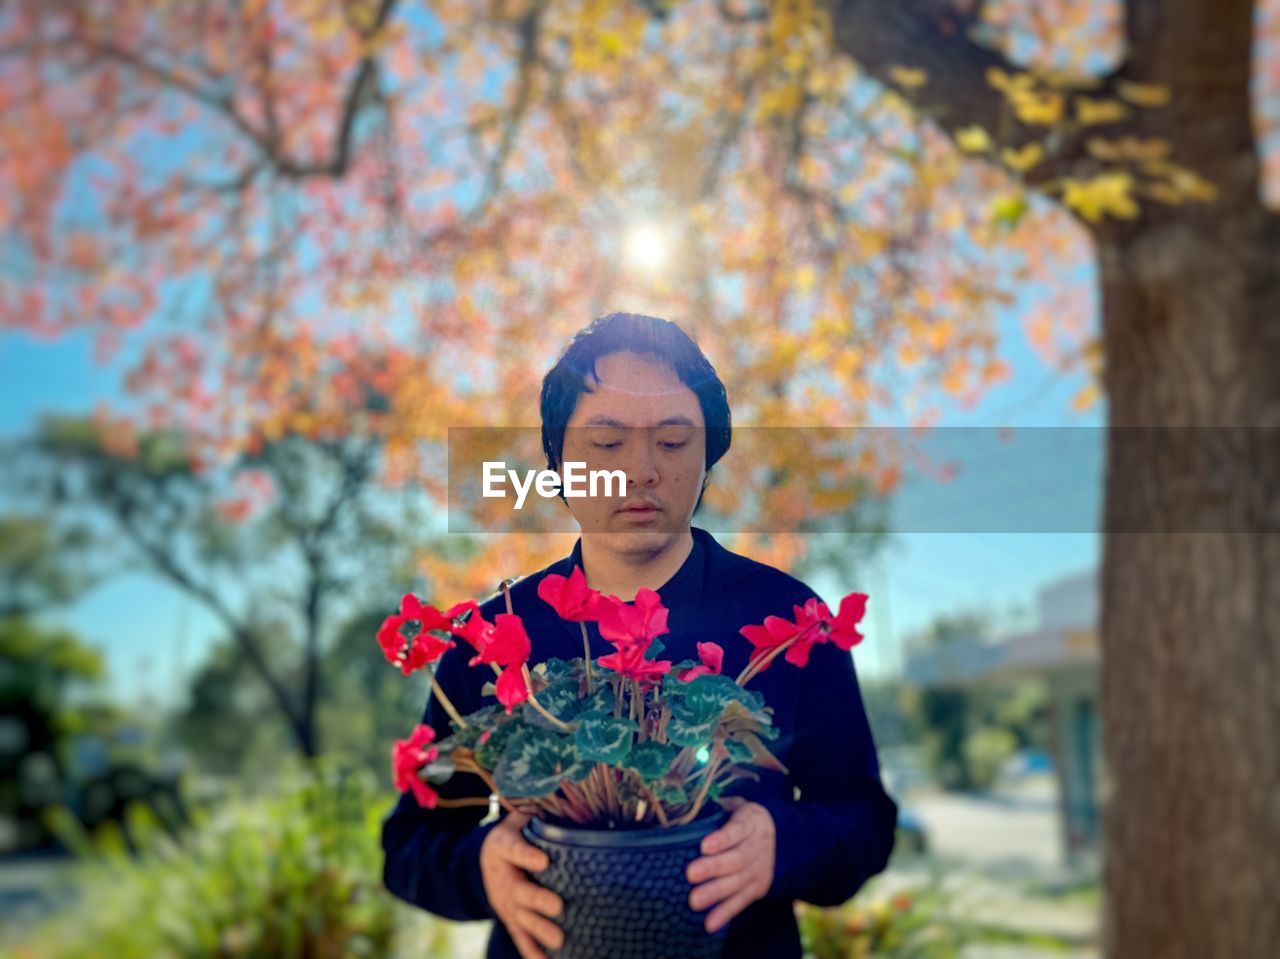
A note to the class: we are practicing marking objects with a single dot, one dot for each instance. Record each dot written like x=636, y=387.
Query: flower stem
x=701, y=797
x=586, y=655
x=533, y=701
x=755, y=666
x=444, y=701
x=459, y=803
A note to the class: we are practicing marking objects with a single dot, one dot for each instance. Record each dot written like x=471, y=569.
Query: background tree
x=41, y=668
x=277, y=546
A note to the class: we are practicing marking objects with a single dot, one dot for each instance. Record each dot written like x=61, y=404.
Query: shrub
x=294, y=874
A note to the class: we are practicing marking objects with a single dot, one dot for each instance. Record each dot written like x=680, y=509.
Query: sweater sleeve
x=840, y=832
x=432, y=856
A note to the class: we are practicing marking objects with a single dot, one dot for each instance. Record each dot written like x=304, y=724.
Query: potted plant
x=618, y=761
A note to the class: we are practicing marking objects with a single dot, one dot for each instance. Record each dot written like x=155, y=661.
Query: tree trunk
x=1191, y=566
x=1191, y=582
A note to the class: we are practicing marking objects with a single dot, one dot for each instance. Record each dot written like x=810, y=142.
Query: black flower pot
x=625, y=892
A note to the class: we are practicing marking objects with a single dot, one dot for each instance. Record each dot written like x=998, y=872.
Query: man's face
x=642, y=420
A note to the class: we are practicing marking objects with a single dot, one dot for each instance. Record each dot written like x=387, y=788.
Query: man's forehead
x=622, y=408
x=605, y=419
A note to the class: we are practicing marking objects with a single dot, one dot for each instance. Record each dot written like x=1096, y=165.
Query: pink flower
x=504, y=643
x=570, y=597
x=408, y=757
x=813, y=624
x=712, y=657
x=769, y=636
x=630, y=662
x=425, y=647
x=843, y=628
x=810, y=619
x=624, y=624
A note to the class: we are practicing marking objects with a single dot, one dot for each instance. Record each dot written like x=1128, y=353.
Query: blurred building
x=1062, y=651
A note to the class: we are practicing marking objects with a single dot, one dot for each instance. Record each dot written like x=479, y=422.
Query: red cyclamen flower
x=570, y=597
x=629, y=661
x=813, y=624
x=769, y=636
x=504, y=643
x=425, y=647
x=712, y=657
x=408, y=757
x=626, y=625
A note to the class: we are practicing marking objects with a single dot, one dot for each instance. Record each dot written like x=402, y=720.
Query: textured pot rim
x=653, y=836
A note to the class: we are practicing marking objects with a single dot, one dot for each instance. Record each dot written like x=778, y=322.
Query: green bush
x=985, y=751
x=296, y=874
x=910, y=924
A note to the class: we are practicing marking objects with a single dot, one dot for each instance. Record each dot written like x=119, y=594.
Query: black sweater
x=835, y=823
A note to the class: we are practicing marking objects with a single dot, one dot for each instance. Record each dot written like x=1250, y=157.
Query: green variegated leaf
x=714, y=692
x=600, y=700
x=485, y=718
x=671, y=793
x=560, y=699
x=490, y=751
x=738, y=752
x=535, y=762
x=602, y=739
x=652, y=760
x=757, y=753
x=689, y=726
x=556, y=668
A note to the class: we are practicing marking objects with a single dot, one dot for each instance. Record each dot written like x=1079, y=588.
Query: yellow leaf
x=973, y=139
x=1085, y=399
x=1018, y=82
x=804, y=279
x=1105, y=194
x=1191, y=185
x=1091, y=112
x=1044, y=109
x=1143, y=94
x=1102, y=149
x=1024, y=159
x=328, y=26
x=1129, y=148
x=1164, y=193
x=909, y=78
x=1008, y=210
x=1153, y=148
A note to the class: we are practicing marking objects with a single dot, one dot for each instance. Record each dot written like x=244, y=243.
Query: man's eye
x=675, y=446
x=606, y=446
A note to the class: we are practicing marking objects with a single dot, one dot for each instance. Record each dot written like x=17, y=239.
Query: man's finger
x=726, y=837
x=520, y=853
x=708, y=867
x=718, y=890
x=533, y=897
x=525, y=944
x=541, y=928
x=722, y=913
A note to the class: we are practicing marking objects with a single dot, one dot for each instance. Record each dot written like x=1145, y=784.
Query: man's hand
x=521, y=905
x=736, y=866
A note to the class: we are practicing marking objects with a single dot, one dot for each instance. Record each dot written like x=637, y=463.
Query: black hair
x=645, y=336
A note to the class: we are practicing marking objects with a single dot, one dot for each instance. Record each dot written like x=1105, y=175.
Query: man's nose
x=643, y=468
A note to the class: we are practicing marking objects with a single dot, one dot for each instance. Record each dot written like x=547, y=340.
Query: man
x=635, y=393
